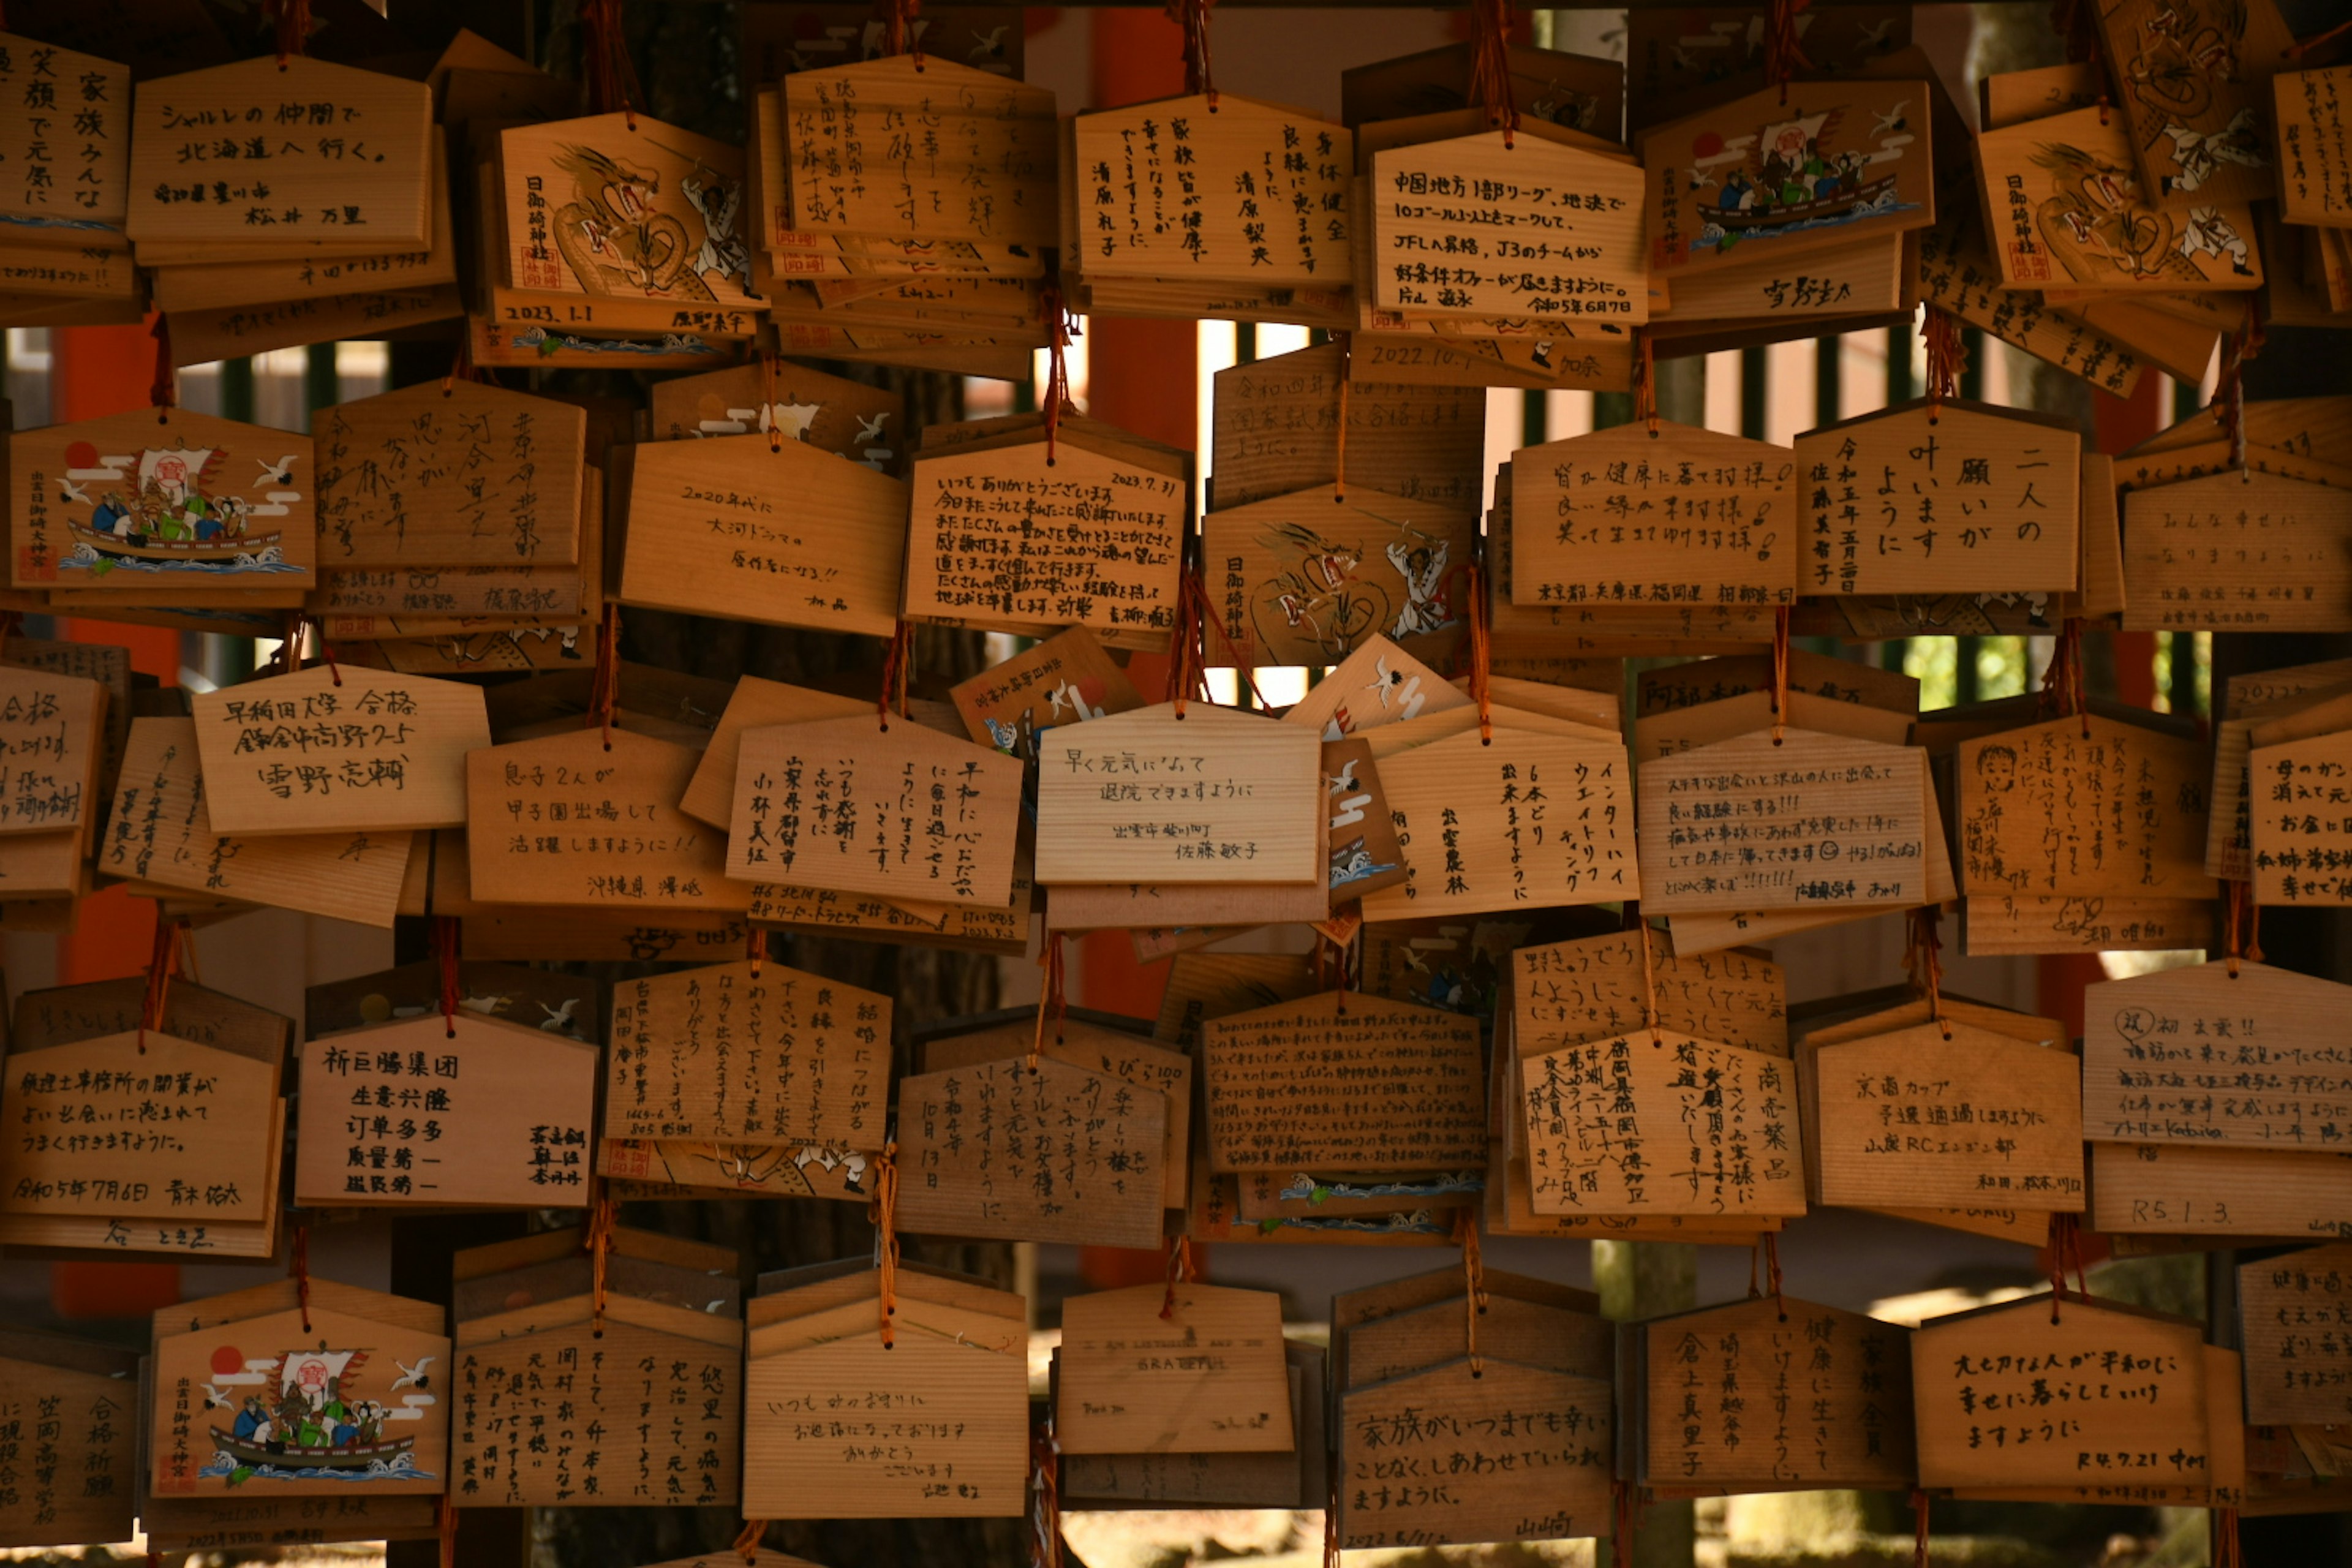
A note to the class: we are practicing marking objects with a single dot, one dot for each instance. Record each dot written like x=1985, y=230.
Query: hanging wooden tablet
x=1215, y=1480
x=1066, y=679
x=1531, y=821
x=1057, y=1153
x=1957, y=273
x=2240, y=1055
x=747, y=1055
x=1998, y=491
x=1915, y=1118
x=434, y=1111
x=69, y=1428
x=865, y=424
x=2294, y=1314
x=2068, y=211
x=2006, y=1397
x=1672, y=514
x=2193, y=94
x=1365, y=856
x=2315, y=177
x=2297, y=828
x=139, y=1124
x=1810, y=822
x=329, y=749
x=2081, y=806
x=1577, y=91
x=450, y=474
x=1378, y=684
x=992, y=176
x=309, y=1401
x=2238, y=551
x=52, y=731
x=621, y=205
x=1305, y=578
x=1277, y=425
x=578, y=818
x=1211, y=795
x=288, y=152
x=1820, y=164
x=1199, y=1373
x=1449, y=218
x=1557, y=1336
x=2175, y=1189
x=1337, y=1082
x=162, y=502
x=159, y=831
x=1658, y=1123
x=710, y=534
x=1034, y=535
x=1774, y=1395
x=1212, y=188
x=1421, y=1457
x=561, y=1004
x=1568, y=992
x=864, y=807
x=1152, y=1069
x=65, y=137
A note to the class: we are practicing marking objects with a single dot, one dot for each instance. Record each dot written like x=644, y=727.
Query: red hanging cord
x=1918, y=1528
x=1779, y=674
x=603, y=1213
x=2229, y=400
x=2227, y=1552
x=612, y=75
x=1179, y=1272
x=1191, y=18
x=446, y=943
x=1060, y=328
x=1050, y=1004
x=1045, y=1492
x=1188, y=662
x=298, y=1268
x=2063, y=692
x=1347, y=341
x=755, y=948
x=898, y=662
x=747, y=1540
x=163, y=393
x=1645, y=382
x=1922, y=957
x=162, y=952
x=605, y=681
x=900, y=34
x=1490, y=65
x=1481, y=657
x=1771, y=1240
x=1947, y=357
x=327, y=652
x=2313, y=44
x=885, y=1214
x=293, y=20
x=1784, y=56
x=1474, y=1283
x=445, y=1525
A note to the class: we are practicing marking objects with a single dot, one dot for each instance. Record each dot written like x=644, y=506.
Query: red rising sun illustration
x=228, y=1360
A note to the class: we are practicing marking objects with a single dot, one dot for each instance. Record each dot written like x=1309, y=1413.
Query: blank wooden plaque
x=1205, y=1376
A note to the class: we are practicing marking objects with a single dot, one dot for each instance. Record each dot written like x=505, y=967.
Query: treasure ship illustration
x=165, y=505
x=305, y=1420
x=1791, y=178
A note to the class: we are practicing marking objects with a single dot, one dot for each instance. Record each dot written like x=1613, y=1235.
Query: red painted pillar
x=1144, y=377
x=95, y=372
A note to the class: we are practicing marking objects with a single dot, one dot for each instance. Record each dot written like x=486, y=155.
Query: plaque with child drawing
x=160, y=500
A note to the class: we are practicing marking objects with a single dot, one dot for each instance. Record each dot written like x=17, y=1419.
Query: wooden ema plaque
x=1957, y=274
x=1653, y=1122
x=163, y=503
x=710, y=534
x=1471, y=1452
x=865, y=424
x=1815, y=822
x=468, y=1111
x=2191, y=93
x=887, y=807
x=1469, y=227
x=344, y=162
x=1343, y=1082
x=1216, y=1480
x=1528, y=822
x=65, y=140
x=1568, y=992
x=2083, y=805
x=311, y=1401
x=2202, y=1057
x=443, y=476
x=1557, y=1336
x=334, y=749
x=2314, y=176
x=2172, y=1189
x=1024, y=539
x=2068, y=211
x=2237, y=552
x=584, y=819
x=2295, y=1315
x=754, y=704
x=1278, y=422
x=1066, y=679
x=1305, y=578
x=1775, y=1394
x=1211, y=795
x=2004, y=1398
x=160, y=832
x=171, y=1134
x=1365, y=855
x=1912, y=1119
x=1152, y=1070
x=1824, y=164
x=1201, y=1373
x=1942, y=498
x=747, y=1054
x=69, y=1424
x=1378, y=684
x=991, y=177
x=52, y=728
x=1667, y=516
x=1060, y=1152
x=618, y=206
x=1207, y=188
